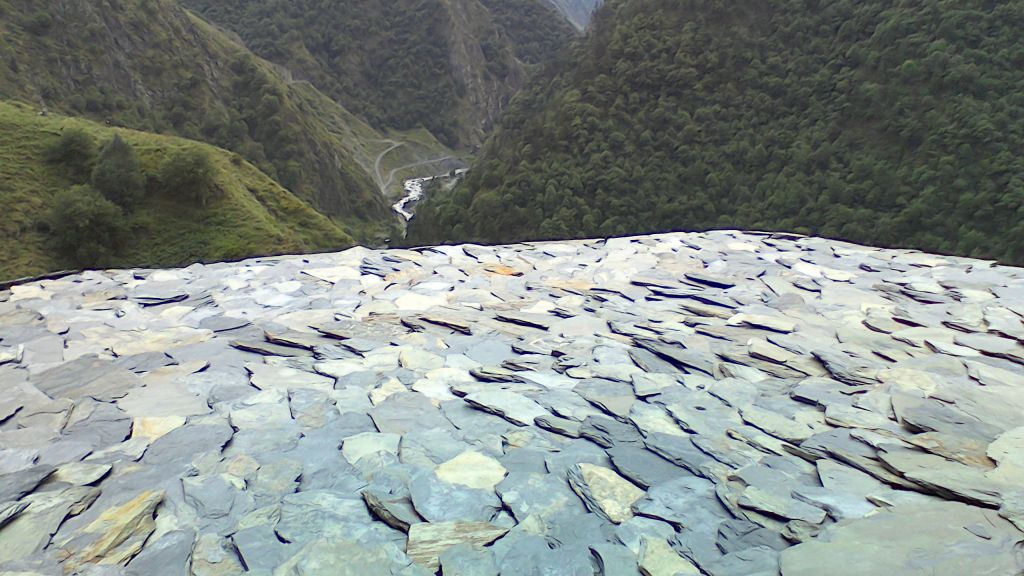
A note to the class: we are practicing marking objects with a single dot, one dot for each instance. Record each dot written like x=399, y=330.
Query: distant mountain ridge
x=537, y=31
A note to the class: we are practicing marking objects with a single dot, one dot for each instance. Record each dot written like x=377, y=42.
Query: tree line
x=89, y=220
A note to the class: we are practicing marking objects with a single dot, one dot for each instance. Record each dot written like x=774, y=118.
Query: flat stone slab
x=909, y=540
x=473, y=470
x=604, y=492
x=427, y=541
x=516, y=408
x=87, y=376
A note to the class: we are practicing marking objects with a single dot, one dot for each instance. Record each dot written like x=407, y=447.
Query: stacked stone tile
x=724, y=404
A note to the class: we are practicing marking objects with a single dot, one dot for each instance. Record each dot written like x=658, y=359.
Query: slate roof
x=726, y=403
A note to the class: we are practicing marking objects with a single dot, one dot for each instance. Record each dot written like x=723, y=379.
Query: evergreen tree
x=188, y=173
x=88, y=228
x=118, y=175
x=76, y=151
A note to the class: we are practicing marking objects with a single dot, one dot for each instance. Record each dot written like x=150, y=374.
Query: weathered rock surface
x=472, y=469
x=604, y=492
x=427, y=541
x=724, y=403
x=912, y=539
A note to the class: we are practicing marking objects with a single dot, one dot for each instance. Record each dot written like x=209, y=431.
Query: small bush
x=117, y=174
x=76, y=151
x=39, y=23
x=189, y=173
x=88, y=228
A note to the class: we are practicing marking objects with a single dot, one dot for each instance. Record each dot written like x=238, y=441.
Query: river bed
x=414, y=190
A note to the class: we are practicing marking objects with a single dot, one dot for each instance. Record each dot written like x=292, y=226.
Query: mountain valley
x=338, y=104
x=655, y=116
x=511, y=287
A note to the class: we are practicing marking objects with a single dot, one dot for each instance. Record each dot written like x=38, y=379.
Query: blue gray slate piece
x=726, y=404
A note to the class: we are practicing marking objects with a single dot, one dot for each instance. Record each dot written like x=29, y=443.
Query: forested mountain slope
x=890, y=123
x=447, y=65
x=53, y=219
x=536, y=30
x=151, y=65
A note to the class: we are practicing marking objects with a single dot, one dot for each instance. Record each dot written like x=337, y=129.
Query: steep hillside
x=447, y=65
x=577, y=12
x=151, y=65
x=248, y=213
x=536, y=31
x=890, y=124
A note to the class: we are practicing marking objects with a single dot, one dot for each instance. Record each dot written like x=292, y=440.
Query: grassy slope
x=153, y=66
x=253, y=216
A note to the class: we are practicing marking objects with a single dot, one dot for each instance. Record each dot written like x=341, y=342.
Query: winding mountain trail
x=410, y=194
x=380, y=158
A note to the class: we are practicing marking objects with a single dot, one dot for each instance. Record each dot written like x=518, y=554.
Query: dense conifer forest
x=888, y=123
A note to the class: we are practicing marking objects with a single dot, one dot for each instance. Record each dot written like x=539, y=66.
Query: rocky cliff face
x=723, y=403
x=484, y=66
x=577, y=12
